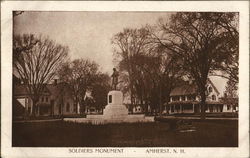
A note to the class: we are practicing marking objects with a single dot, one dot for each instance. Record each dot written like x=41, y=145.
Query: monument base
x=118, y=112
x=115, y=110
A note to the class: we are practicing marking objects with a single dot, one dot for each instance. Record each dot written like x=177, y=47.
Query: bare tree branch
x=36, y=60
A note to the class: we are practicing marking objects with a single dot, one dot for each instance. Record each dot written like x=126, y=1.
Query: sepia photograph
x=100, y=81
x=125, y=79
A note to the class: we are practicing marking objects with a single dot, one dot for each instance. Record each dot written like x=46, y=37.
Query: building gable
x=214, y=87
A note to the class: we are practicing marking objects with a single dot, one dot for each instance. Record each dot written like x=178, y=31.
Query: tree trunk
x=141, y=102
x=203, y=105
x=51, y=110
x=131, y=101
x=34, y=110
x=166, y=104
x=160, y=101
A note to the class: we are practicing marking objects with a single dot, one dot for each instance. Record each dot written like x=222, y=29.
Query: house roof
x=55, y=89
x=189, y=89
x=212, y=84
x=20, y=90
x=186, y=89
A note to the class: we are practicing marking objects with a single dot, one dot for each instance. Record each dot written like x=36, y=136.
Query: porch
x=192, y=107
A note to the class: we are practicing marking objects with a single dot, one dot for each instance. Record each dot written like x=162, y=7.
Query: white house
x=185, y=99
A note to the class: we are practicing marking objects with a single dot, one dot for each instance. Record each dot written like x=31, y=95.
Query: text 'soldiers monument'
x=115, y=111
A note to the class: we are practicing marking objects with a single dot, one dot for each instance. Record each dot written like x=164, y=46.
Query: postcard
x=125, y=79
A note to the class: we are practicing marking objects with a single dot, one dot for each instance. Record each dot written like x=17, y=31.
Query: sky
x=88, y=34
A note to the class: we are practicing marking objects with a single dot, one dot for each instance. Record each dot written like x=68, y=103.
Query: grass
x=156, y=134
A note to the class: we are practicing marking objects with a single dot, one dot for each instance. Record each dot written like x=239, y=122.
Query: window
x=183, y=98
x=67, y=107
x=190, y=97
x=213, y=97
x=170, y=99
x=228, y=107
x=177, y=107
x=172, y=108
x=75, y=107
x=193, y=97
x=47, y=99
x=175, y=98
x=210, y=89
x=42, y=99
x=234, y=107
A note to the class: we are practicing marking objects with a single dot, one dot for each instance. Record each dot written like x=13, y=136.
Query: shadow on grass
x=156, y=134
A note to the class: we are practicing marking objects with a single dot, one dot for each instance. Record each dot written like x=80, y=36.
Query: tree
x=167, y=72
x=28, y=40
x=130, y=43
x=231, y=94
x=80, y=74
x=231, y=89
x=23, y=44
x=161, y=70
x=203, y=44
x=36, y=60
x=144, y=81
x=230, y=67
x=150, y=70
x=100, y=89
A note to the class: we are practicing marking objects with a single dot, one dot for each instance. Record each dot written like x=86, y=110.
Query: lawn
x=157, y=134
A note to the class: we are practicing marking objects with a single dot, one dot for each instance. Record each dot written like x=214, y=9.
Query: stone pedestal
x=115, y=110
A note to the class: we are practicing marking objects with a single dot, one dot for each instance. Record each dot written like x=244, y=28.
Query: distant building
x=185, y=99
x=56, y=99
x=90, y=107
x=136, y=107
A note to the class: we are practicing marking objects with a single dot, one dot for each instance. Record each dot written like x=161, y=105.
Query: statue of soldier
x=114, y=79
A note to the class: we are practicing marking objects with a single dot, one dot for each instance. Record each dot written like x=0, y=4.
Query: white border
x=6, y=71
